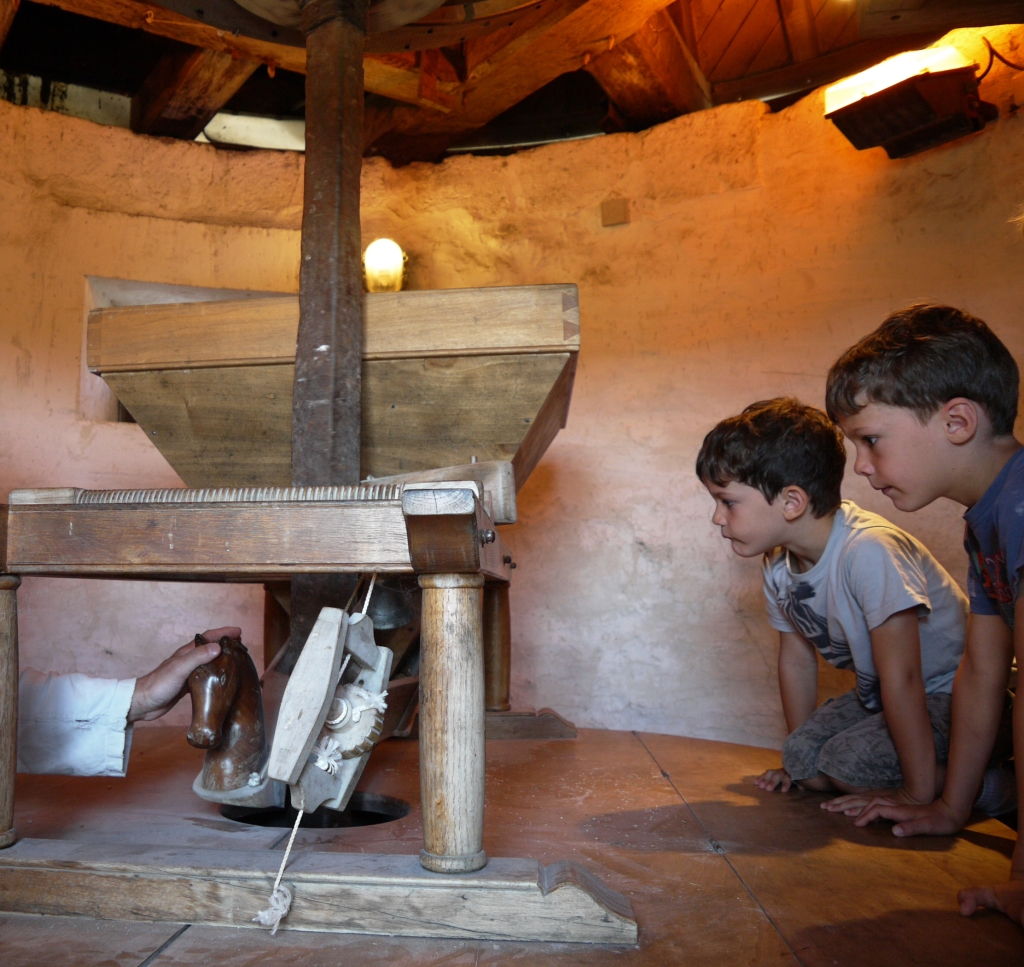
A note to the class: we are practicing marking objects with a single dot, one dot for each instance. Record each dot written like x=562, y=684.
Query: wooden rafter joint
x=186, y=89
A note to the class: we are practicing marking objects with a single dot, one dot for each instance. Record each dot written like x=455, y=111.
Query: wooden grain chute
x=449, y=376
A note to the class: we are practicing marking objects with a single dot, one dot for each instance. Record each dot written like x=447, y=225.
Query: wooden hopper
x=448, y=375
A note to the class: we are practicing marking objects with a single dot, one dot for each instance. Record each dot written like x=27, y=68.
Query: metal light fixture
x=384, y=266
x=910, y=102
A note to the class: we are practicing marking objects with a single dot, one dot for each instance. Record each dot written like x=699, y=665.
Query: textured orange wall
x=759, y=247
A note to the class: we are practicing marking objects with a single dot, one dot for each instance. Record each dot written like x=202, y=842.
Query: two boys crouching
x=929, y=401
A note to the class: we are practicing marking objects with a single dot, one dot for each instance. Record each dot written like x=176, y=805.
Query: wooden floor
x=718, y=871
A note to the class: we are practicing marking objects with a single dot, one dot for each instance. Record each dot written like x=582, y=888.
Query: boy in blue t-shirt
x=929, y=400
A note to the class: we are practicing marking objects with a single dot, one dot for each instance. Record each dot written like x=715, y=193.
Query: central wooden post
x=452, y=723
x=8, y=702
x=326, y=400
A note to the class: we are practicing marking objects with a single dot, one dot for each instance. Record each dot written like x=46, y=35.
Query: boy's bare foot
x=1007, y=898
x=774, y=779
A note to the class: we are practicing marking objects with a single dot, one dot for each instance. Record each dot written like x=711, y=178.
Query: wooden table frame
x=444, y=535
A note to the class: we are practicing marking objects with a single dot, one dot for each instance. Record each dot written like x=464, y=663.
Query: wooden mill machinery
x=275, y=412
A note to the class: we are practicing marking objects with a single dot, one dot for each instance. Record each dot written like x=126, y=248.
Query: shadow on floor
x=911, y=938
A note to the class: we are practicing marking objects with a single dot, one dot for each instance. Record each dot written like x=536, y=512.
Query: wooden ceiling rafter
x=652, y=76
x=8, y=8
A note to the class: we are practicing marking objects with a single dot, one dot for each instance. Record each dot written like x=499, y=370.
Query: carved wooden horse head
x=227, y=716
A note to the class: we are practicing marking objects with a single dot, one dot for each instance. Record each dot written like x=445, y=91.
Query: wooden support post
x=452, y=723
x=497, y=647
x=326, y=398
x=326, y=415
x=8, y=703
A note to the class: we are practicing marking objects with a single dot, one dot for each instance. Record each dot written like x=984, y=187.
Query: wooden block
x=614, y=211
x=497, y=480
x=449, y=532
x=308, y=695
x=551, y=418
x=396, y=325
x=359, y=643
x=511, y=899
x=528, y=724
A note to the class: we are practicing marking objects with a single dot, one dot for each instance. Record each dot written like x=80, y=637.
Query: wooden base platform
x=717, y=871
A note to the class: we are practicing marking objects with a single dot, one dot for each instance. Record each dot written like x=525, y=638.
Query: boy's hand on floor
x=774, y=779
x=158, y=692
x=854, y=804
x=1007, y=898
x=933, y=819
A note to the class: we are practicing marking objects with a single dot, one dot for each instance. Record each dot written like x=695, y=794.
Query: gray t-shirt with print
x=869, y=571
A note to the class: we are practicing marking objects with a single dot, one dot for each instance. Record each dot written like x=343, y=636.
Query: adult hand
x=1007, y=898
x=855, y=803
x=933, y=819
x=772, y=779
x=158, y=692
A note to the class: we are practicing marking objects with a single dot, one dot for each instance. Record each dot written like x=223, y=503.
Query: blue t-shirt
x=994, y=540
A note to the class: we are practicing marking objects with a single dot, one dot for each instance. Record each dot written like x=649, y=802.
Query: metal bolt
x=508, y=560
x=488, y=537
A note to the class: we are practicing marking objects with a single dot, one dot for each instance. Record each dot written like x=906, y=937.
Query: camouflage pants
x=846, y=741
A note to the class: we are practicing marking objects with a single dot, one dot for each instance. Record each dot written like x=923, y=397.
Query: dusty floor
x=718, y=872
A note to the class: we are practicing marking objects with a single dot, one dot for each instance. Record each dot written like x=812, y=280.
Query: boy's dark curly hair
x=775, y=444
x=922, y=357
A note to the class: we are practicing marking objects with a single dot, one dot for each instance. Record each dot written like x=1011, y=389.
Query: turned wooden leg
x=452, y=723
x=497, y=647
x=8, y=704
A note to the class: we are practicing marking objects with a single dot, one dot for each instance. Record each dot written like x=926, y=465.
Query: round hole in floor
x=364, y=809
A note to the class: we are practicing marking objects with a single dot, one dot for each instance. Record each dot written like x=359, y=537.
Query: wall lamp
x=384, y=266
x=910, y=102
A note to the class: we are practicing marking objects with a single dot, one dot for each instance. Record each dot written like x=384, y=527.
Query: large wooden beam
x=821, y=70
x=502, y=70
x=332, y=892
x=395, y=76
x=8, y=8
x=166, y=23
x=186, y=89
x=652, y=76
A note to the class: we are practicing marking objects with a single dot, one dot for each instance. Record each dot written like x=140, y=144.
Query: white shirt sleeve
x=885, y=574
x=73, y=725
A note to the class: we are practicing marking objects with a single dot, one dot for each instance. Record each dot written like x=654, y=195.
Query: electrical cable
x=993, y=56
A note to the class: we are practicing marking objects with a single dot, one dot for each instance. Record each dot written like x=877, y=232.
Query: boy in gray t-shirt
x=849, y=585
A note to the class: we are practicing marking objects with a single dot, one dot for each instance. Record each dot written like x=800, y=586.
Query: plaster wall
x=759, y=247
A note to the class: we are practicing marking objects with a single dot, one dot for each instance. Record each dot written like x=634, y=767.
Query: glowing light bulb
x=384, y=264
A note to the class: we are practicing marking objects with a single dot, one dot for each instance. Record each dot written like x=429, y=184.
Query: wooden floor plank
x=842, y=895
x=29, y=941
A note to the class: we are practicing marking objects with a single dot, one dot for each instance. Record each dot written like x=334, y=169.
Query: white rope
x=369, y=591
x=280, y=896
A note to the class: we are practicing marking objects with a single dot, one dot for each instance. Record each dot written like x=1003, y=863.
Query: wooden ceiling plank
x=773, y=55
x=878, y=19
x=799, y=25
x=850, y=34
x=822, y=70
x=652, y=77
x=186, y=89
x=8, y=8
x=748, y=40
x=722, y=31
x=166, y=23
x=831, y=21
x=702, y=12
